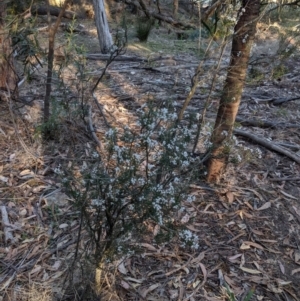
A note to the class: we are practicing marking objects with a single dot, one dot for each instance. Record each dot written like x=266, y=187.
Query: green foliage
x=255, y=75
x=278, y=71
x=195, y=34
x=282, y=112
x=50, y=129
x=63, y=107
x=16, y=7
x=25, y=43
x=143, y=28
x=231, y=296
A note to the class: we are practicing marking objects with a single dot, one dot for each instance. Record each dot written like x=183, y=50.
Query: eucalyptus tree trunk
x=175, y=8
x=104, y=36
x=8, y=77
x=242, y=41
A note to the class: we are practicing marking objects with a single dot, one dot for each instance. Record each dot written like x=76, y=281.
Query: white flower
x=97, y=202
x=58, y=171
x=189, y=238
x=224, y=133
x=137, y=157
x=185, y=163
x=141, y=181
x=190, y=198
x=95, y=155
x=176, y=180
x=110, y=133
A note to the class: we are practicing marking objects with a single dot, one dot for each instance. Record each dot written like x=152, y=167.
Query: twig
x=284, y=179
x=100, y=109
x=201, y=120
x=92, y=127
x=6, y=226
x=268, y=145
x=114, y=54
x=122, y=58
x=52, y=32
x=195, y=81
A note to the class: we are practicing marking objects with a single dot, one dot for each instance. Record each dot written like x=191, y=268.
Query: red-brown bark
x=8, y=78
x=243, y=36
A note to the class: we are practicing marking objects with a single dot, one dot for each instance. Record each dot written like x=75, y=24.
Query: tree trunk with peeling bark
x=8, y=77
x=104, y=35
x=243, y=36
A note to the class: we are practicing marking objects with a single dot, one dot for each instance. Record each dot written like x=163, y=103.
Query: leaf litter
x=248, y=227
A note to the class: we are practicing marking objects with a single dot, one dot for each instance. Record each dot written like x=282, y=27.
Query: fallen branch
x=268, y=145
x=6, y=226
x=53, y=10
x=288, y=145
x=105, y=57
x=265, y=124
x=284, y=179
x=277, y=102
x=273, y=100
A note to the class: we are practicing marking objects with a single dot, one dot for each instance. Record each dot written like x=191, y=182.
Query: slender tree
x=52, y=32
x=8, y=78
x=104, y=35
x=175, y=8
x=243, y=36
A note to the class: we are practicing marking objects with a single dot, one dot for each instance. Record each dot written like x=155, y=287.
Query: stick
x=268, y=145
x=284, y=179
x=265, y=124
x=6, y=225
x=54, y=11
x=92, y=128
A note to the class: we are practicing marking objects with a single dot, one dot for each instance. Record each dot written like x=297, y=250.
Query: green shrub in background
x=143, y=28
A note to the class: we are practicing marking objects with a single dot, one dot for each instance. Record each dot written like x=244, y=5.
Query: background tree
x=52, y=32
x=8, y=76
x=104, y=35
x=243, y=36
x=175, y=8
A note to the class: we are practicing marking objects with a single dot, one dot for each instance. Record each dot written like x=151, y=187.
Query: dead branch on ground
x=265, y=124
x=6, y=226
x=53, y=10
x=269, y=145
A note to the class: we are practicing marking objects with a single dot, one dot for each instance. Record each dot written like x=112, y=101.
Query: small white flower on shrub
x=189, y=239
x=141, y=175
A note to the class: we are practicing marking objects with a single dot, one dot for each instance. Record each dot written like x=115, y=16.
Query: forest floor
x=248, y=225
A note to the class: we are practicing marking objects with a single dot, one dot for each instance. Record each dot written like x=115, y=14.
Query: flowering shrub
x=141, y=176
x=241, y=153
